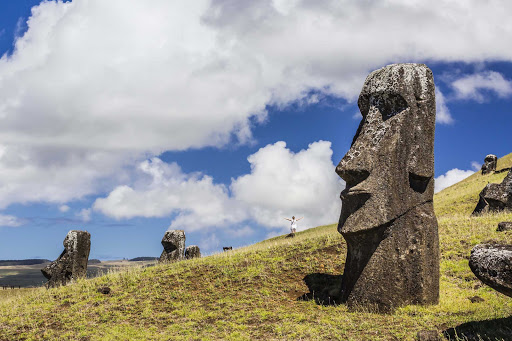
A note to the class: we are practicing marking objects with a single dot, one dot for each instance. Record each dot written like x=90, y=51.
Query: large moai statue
x=174, y=246
x=490, y=163
x=495, y=197
x=387, y=217
x=72, y=262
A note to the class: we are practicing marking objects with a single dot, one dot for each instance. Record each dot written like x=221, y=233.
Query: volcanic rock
x=174, y=246
x=504, y=226
x=492, y=264
x=387, y=217
x=495, y=197
x=192, y=251
x=72, y=263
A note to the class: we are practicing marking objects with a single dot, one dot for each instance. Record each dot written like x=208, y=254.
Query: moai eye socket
x=389, y=105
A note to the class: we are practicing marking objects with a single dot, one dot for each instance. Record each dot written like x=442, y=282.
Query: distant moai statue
x=72, y=263
x=495, y=197
x=192, y=251
x=387, y=217
x=174, y=246
x=490, y=163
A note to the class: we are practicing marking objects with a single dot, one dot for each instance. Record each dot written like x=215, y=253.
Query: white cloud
x=450, y=178
x=476, y=166
x=110, y=79
x=210, y=243
x=281, y=184
x=472, y=86
x=443, y=113
x=85, y=214
x=10, y=221
x=242, y=232
x=64, y=208
x=57, y=175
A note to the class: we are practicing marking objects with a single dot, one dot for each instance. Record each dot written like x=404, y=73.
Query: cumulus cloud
x=475, y=85
x=476, y=166
x=10, y=221
x=450, y=178
x=281, y=184
x=85, y=214
x=96, y=77
x=57, y=175
x=443, y=113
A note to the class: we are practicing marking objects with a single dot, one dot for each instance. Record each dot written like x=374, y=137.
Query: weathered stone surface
x=174, y=246
x=192, y=251
x=387, y=216
x=72, y=263
x=504, y=226
x=490, y=163
x=492, y=264
x=496, y=197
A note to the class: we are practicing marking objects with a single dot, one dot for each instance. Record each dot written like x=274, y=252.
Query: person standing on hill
x=293, y=227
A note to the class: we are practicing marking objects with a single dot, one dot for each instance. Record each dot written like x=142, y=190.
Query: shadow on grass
x=324, y=289
x=487, y=330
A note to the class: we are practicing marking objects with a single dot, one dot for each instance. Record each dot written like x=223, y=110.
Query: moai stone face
x=387, y=215
x=495, y=197
x=72, y=263
x=490, y=163
x=174, y=246
x=192, y=251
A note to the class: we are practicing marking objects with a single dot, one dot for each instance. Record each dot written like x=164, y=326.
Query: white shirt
x=294, y=224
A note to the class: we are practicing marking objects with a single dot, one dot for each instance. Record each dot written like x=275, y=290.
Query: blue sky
x=218, y=117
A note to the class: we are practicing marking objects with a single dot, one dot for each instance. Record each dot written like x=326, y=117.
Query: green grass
x=251, y=293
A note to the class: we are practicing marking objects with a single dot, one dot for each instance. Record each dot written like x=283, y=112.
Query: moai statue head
x=390, y=166
x=490, y=163
x=174, y=246
x=387, y=215
x=192, y=251
x=72, y=262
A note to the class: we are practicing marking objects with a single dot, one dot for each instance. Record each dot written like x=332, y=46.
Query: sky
x=220, y=117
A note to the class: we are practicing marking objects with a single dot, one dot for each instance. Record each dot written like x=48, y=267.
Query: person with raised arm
x=293, y=227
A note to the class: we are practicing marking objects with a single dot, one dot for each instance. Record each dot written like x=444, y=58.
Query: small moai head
x=192, y=251
x=72, y=262
x=490, y=163
x=390, y=165
x=174, y=245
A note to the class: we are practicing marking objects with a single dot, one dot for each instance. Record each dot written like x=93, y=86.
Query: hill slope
x=252, y=293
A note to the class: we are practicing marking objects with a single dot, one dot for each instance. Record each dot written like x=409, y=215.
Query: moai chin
x=174, y=246
x=72, y=262
x=490, y=163
x=387, y=217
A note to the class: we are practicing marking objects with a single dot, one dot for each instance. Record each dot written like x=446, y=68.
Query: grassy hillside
x=463, y=196
x=252, y=293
